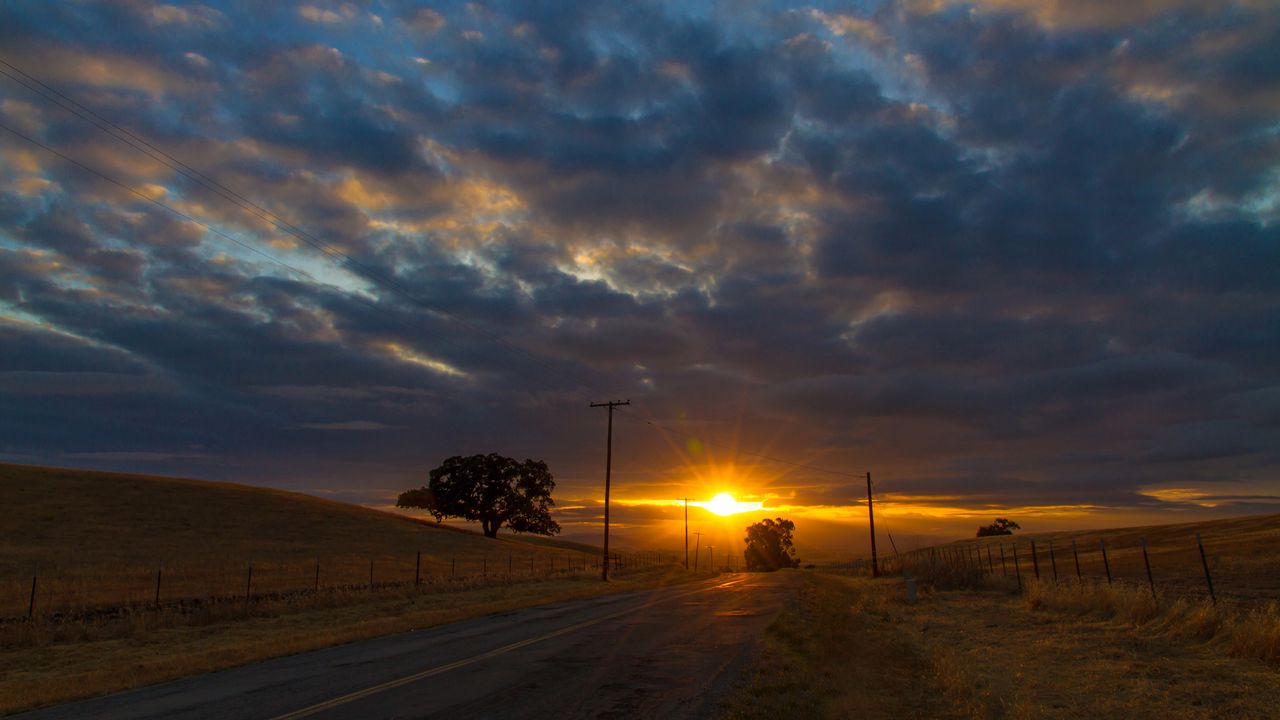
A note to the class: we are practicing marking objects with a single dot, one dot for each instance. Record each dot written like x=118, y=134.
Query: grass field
x=852, y=647
x=144, y=648
x=981, y=644
x=98, y=539
x=1243, y=555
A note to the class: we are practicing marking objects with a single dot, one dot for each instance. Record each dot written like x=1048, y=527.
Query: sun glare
x=724, y=504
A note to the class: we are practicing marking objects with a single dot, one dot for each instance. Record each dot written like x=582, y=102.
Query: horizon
x=818, y=540
x=1013, y=258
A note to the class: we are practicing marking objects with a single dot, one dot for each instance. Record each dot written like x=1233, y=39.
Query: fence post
x=1205, y=562
x=1106, y=564
x=1003, y=570
x=316, y=586
x=509, y=561
x=31, y=606
x=159, y=569
x=1053, y=562
x=484, y=567
x=370, y=574
x=1076, y=554
x=991, y=565
x=1035, y=560
x=1146, y=561
x=453, y=567
x=531, y=568
x=417, y=569
x=248, y=584
x=1017, y=568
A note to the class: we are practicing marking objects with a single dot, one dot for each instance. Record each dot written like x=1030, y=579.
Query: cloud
x=984, y=248
x=348, y=425
x=45, y=384
x=425, y=20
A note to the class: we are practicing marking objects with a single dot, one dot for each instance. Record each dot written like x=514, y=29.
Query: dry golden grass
x=840, y=652
x=1035, y=664
x=996, y=655
x=1239, y=631
x=98, y=539
x=152, y=651
x=1243, y=554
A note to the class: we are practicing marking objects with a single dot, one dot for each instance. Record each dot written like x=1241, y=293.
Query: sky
x=1015, y=258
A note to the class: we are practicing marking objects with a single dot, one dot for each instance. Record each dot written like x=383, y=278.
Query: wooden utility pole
x=686, y=533
x=697, y=546
x=871, y=517
x=608, y=469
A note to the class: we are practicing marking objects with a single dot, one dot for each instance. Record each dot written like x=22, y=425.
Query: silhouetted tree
x=492, y=490
x=769, y=545
x=999, y=527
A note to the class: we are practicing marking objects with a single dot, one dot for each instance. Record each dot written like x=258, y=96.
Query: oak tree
x=492, y=490
x=1000, y=527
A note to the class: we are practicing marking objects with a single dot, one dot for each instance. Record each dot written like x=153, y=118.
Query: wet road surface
x=663, y=653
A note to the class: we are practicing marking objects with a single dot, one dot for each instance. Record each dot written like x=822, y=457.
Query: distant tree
x=769, y=545
x=999, y=527
x=490, y=489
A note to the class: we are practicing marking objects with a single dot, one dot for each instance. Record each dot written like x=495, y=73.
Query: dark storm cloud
x=969, y=399
x=991, y=250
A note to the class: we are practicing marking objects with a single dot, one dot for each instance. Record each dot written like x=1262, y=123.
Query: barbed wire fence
x=1176, y=568
x=68, y=593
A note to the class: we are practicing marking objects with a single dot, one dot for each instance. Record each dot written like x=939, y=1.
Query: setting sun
x=724, y=504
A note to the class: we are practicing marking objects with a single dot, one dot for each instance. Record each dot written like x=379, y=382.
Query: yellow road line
x=391, y=684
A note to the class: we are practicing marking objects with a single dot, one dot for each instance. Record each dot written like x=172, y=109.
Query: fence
x=1232, y=570
x=61, y=592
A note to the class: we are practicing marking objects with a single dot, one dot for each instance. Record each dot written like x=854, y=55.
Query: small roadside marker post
x=1205, y=562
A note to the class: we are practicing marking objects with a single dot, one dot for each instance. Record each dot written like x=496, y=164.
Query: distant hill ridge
x=59, y=517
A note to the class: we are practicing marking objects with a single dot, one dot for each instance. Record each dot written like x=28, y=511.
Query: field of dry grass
x=153, y=648
x=1243, y=555
x=97, y=539
x=841, y=652
x=854, y=648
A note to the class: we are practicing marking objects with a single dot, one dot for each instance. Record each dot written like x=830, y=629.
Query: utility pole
x=608, y=469
x=686, y=533
x=697, y=547
x=871, y=517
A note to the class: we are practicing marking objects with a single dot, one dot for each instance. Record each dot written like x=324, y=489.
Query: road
x=663, y=653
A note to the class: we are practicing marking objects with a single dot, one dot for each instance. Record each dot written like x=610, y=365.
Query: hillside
x=1242, y=553
x=91, y=534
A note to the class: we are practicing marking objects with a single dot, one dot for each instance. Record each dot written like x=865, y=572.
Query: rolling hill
x=1242, y=554
x=101, y=537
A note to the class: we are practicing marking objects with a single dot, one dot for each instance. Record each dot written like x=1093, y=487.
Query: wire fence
x=64, y=593
x=1233, y=571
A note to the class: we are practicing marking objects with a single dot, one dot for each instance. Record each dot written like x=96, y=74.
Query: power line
x=659, y=426
x=185, y=216
x=371, y=274
x=131, y=139
x=134, y=191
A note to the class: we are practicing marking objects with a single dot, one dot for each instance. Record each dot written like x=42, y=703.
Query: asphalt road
x=665, y=653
